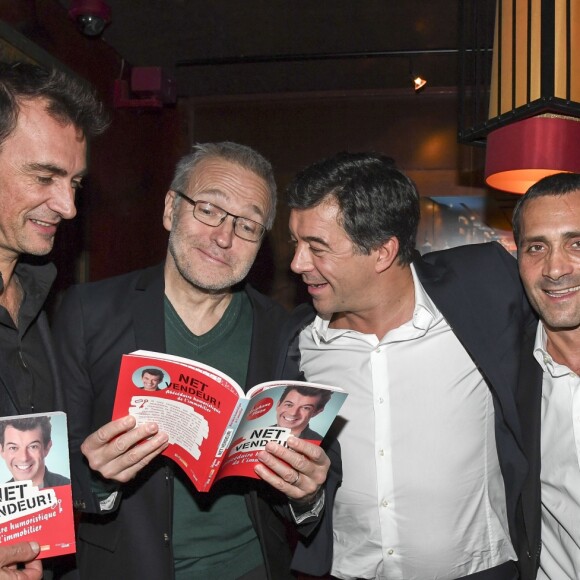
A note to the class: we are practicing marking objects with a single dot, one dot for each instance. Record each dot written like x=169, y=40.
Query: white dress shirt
x=560, y=473
x=422, y=495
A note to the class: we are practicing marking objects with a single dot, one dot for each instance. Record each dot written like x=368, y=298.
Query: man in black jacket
x=427, y=348
x=145, y=520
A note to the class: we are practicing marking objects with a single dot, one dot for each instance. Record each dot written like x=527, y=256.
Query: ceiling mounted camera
x=91, y=16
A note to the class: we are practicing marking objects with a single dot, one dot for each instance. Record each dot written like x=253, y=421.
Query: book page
x=185, y=426
x=194, y=404
x=277, y=410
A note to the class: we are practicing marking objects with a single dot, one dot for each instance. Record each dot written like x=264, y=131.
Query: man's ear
x=47, y=448
x=168, y=209
x=387, y=254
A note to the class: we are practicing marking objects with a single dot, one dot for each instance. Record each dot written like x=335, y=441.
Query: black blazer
x=529, y=399
x=478, y=290
x=96, y=324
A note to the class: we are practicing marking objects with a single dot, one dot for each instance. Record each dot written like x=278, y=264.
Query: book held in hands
x=35, y=488
x=215, y=429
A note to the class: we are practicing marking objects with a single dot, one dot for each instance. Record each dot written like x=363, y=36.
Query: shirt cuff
x=301, y=512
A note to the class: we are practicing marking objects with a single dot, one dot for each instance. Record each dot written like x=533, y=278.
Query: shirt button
x=385, y=503
x=391, y=552
x=381, y=400
x=381, y=452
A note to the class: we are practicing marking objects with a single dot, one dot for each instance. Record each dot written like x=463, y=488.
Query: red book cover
x=209, y=419
x=35, y=493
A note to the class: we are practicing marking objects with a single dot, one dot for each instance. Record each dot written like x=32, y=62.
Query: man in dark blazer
x=428, y=350
x=143, y=520
x=546, y=226
x=46, y=118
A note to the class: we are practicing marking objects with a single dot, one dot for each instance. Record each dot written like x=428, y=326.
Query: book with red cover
x=35, y=493
x=215, y=429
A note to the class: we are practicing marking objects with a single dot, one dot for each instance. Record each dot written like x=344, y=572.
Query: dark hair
x=241, y=155
x=555, y=185
x=154, y=372
x=308, y=392
x=376, y=200
x=28, y=424
x=69, y=99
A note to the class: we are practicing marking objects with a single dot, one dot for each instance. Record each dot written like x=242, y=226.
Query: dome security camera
x=91, y=16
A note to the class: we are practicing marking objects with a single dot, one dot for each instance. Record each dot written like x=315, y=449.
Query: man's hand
x=298, y=472
x=119, y=452
x=21, y=553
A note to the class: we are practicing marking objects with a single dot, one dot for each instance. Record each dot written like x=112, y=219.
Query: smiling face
x=214, y=258
x=24, y=453
x=338, y=278
x=549, y=258
x=150, y=382
x=296, y=410
x=41, y=166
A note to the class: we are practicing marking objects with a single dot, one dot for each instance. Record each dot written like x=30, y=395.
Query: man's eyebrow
x=543, y=239
x=14, y=442
x=538, y=238
x=222, y=195
x=49, y=167
x=316, y=240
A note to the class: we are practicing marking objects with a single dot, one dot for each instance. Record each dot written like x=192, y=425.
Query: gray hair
x=241, y=155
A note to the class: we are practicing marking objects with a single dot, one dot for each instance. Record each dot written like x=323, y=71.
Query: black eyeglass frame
x=193, y=202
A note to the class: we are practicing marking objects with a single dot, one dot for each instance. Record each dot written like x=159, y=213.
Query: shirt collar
x=425, y=315
x=544, y=359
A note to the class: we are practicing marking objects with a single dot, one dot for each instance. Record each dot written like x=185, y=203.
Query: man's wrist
x=311, y=508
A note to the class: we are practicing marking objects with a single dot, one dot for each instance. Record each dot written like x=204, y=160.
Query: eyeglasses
x=212, y=215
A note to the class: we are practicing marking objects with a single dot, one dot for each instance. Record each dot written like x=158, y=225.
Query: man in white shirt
x=547, y=231
x=427, y=349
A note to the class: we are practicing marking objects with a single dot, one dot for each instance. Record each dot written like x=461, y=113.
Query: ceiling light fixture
x=534, y=61
x=419, y=82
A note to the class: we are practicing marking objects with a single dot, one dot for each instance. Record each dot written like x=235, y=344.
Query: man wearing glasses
x=144, y=519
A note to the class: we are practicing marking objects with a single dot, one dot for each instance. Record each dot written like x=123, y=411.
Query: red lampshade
x=520, y=154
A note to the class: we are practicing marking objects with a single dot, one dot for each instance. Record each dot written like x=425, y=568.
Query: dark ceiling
x=177, y=34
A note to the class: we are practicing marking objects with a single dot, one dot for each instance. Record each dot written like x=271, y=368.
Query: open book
x=35, y=488
x=215, y=430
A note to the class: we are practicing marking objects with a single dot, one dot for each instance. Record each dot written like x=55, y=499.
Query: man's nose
x=301, y=261
x=62, y=201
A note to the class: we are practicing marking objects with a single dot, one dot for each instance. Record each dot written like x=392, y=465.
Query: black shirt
x=23, y=358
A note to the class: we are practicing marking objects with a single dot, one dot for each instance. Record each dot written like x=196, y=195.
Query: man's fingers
x=108, y=432
x=31, y=571
x=23, y=552
x=291, y=471
x=127, y=451
x=314, y=452
x=303, y=456
x=128, y=466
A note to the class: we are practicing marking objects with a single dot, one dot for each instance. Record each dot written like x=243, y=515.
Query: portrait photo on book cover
x=151, y=379
x=299, y=408
x=34, y=448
